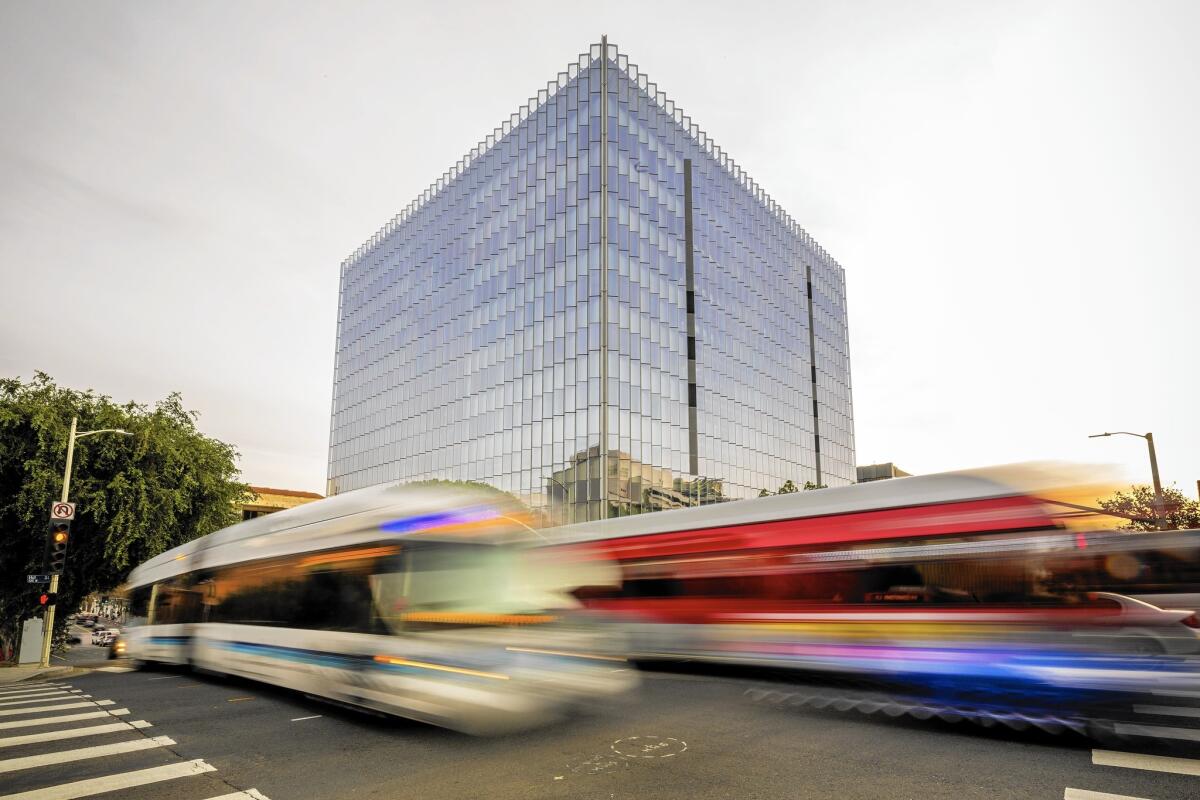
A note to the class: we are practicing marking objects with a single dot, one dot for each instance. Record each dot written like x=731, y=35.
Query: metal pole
x=48, y=616
x=1160, y=508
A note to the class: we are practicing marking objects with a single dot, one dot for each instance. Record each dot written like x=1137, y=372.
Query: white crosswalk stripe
x=115, y=782
x=30, y=687
x=72, y=733
x=9, y=698
x=29, y=723
x=12, y=712
x=63, y=756
x=40, y=699
x=1113, y=758
x=34, y=707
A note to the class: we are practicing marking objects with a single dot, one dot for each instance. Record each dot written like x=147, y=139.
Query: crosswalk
x=58, y=743
x=1148, y=728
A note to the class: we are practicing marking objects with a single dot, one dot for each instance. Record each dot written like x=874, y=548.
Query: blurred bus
x=950, y=577
x=424, y=601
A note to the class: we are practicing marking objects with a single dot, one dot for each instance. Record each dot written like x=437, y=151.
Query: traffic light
x=47, y=599
x=57, y=539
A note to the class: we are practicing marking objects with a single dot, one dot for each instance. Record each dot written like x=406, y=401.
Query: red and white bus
x=954, y=575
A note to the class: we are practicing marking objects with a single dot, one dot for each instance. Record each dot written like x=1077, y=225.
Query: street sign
x=62, y=511
x=37, y=578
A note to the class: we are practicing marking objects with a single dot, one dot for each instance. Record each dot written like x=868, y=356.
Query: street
x=686, y=734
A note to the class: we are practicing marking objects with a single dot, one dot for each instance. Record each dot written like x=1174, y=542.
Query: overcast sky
x=1012, y=189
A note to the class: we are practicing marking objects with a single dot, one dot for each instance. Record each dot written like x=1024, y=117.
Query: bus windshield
x=456, y=584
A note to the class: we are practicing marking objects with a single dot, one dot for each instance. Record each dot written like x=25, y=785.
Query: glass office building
x=597, y=310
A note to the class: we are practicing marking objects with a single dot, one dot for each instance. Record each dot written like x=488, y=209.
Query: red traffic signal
x=47, y=599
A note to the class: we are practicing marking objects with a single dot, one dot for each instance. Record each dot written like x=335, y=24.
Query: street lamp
x=1159, y=503
x=566, y=495
x=48, y=618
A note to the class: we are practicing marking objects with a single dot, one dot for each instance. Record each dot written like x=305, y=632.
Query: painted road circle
x=648, y=746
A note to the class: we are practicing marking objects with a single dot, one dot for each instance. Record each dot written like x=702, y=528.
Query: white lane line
x=29, y=700
x=1168, y=711
x=9, y=712
x=1084, y=794
x=111, y=783
x=165, y=678
x=72, y=733
x=99, y=751
x=1156, y=731
x=301, y=719
x=249, y=794
x=8, y=698
x=1113, y=758
x=29, y=723
x=115, y=669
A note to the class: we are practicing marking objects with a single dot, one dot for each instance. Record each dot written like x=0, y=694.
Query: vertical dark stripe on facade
x=604, y=277
x=812, y=361
x=690, y=271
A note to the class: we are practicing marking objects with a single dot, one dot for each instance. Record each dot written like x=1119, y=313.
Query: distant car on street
x=104, y=637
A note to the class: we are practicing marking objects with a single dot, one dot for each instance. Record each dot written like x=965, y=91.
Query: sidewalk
x=28, y=672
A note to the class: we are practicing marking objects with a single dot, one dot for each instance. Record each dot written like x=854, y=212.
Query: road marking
x=115, y=669
x=44, y=699
x=238, y=699
x=111, y=783
x=99, y=751
x=8, y=712
x=1084, y=794
x=72, y=733
x=1112, y=758
x=301, y=719
x=28, y=723
x=33, y=687
x=1156, y=731
x=164, y=678
x=8, y=698
x=249, y=794
x=1168, y=711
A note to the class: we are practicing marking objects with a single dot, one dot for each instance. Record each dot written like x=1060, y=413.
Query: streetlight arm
x=1118, y=433
x=103, y=430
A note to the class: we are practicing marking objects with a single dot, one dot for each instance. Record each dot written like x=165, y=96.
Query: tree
x=810, y=486
x=1139, y=502
x=763, y=493
x=788, y=487
x=136, y=496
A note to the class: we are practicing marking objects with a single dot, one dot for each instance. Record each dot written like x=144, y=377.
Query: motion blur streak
x=999, y=588
x=403, y=600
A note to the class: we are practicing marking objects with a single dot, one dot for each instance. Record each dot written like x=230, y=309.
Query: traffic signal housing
x=47, y=599
x=57, y=538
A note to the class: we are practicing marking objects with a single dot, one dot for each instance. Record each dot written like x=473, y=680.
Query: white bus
x=425, y=601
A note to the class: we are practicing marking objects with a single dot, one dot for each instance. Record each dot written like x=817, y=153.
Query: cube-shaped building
x=597, y=310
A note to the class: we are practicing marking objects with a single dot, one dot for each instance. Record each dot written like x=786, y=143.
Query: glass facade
x=595, y=310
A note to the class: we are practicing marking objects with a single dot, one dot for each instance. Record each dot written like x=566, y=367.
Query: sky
x=1010, y=186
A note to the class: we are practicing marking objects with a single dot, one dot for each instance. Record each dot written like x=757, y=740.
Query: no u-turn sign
x=62, y=511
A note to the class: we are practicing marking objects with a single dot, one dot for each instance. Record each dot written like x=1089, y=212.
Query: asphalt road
x=683, y=735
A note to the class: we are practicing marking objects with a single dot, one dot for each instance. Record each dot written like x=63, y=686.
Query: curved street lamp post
x=1160, y=509
x=48, y=619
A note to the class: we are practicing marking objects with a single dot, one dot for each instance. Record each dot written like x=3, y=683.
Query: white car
x=104, y=637
x=1147, y=629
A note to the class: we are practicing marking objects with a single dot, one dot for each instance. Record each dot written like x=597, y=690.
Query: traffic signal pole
x=48, y=617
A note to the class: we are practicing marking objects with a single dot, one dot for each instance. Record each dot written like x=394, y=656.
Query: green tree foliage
x=788, y=487
x=810, y=486
x=136, y=496
x=763, y=493
x=1138, y=502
